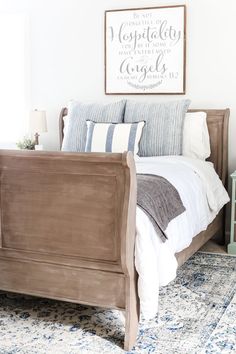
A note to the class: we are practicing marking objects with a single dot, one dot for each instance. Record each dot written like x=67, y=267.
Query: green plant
x=26, y=144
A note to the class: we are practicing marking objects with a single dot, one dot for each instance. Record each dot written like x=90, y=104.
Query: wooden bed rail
x=68, y=229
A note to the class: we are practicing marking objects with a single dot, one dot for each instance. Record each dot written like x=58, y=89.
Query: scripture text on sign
x=145, y=50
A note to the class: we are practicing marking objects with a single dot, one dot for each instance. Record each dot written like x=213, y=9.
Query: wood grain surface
x=67, y=224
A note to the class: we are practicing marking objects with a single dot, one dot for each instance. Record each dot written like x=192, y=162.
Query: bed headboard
x=217, y=121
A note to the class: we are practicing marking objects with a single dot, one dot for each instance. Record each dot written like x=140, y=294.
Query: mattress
x=202, y=194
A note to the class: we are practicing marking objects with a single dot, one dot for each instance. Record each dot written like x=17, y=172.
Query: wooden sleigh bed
x=68, y=224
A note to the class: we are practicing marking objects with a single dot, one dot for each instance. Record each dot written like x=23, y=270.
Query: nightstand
x=232, y=244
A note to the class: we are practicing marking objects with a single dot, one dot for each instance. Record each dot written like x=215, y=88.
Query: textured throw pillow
x=78, y=113
x=163, y=131
x=103, y=137
x=196, y=140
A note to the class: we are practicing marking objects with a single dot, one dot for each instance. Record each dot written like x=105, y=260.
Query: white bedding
x=202, y=194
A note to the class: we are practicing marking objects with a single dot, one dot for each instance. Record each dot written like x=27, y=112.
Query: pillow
x=78, y=113
x=196, y=140
x=65, y=121
x=103, y=137
x=163, y=131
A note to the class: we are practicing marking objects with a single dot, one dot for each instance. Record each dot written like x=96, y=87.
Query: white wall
x=67, y=60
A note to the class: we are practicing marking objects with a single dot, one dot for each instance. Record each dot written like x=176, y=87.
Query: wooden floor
x=212, y=246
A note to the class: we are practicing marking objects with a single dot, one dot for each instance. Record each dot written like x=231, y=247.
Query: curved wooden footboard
x=68, y=229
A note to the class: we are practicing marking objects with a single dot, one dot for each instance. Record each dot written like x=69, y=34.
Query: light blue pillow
x=78, y=113
x=163, y=131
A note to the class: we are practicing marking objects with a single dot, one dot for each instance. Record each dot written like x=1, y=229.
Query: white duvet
x=202, y=194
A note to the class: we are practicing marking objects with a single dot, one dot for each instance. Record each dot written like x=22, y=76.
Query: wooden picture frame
x=145, y=50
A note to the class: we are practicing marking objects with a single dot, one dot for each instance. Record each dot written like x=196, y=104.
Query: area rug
x=197, y=315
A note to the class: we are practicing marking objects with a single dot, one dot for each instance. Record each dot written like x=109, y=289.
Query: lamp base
x=36, y=136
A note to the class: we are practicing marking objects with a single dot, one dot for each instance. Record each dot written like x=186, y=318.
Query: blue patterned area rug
x=197, y=316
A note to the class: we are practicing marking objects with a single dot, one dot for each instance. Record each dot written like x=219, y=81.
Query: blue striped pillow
x=163, y=131
x=78, y=113
x=113, y=137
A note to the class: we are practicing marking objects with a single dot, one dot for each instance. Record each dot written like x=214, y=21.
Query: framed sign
x=145, y=50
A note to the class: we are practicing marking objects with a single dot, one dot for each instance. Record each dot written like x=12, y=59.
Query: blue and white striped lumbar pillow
x=113, y=137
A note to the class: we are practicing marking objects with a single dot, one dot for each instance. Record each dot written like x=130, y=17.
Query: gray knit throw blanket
x=160, y=200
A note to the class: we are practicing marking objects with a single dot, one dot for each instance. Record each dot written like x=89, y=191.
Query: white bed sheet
x=202, y=194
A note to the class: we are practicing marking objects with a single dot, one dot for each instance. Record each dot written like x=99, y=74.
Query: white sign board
x=145, y=51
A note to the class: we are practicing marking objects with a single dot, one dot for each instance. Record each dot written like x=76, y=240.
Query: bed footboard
x=68, y=229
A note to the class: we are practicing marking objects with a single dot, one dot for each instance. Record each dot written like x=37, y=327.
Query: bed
x=68, y=224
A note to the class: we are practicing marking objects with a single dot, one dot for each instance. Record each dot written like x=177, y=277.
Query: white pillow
x=113, y=137
x=65, y=120
x=196, y=141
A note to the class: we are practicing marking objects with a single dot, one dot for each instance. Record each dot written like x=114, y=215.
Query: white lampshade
x=38, y=122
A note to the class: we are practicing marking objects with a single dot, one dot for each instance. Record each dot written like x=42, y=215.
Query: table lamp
x=38, y=124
